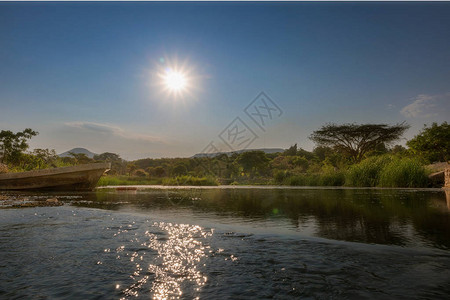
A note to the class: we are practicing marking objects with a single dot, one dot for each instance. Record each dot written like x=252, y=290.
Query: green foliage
x=159, y=172
x=405, y=172
x=367, y=172
x=281, y=175
x=292, y=151
x=127, y=180
x=12, y=145
x=81, y=158
x=37, y=159
x=253, y=162
x=140, y=173
x=107, y=157
x=179, y=169
x=190, y=180
x=356, y=141
x=300, y=161
x=319, y=179
x=432, y=143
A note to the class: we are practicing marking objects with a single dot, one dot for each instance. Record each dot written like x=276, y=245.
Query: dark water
x=228, y=244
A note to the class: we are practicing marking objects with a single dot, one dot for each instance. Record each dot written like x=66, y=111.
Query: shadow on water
x=393, y=217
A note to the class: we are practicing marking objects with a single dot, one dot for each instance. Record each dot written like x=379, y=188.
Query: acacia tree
x=14, y=144
x=356, y=140
x=432, y=143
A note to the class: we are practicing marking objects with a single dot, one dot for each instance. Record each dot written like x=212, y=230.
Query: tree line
x=338, y=147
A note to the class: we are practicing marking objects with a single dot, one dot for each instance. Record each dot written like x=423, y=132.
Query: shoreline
x=262, y=187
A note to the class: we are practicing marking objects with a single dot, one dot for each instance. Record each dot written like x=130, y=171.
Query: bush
x=336, y=178
x=140, y=173
x=280, y=176
x=189, y=180
x=332, y=179
x=404, y=172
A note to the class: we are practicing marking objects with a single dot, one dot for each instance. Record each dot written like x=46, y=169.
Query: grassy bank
x=377, y=171
x=127, y=180
x=135, y=180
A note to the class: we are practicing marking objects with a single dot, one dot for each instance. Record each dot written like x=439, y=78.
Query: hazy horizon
x=89, y=74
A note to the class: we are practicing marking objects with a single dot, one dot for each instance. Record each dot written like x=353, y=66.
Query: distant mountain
x=78, y=151
x=265, y=150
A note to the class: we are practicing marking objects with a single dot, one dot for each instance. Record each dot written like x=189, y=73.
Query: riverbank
x=257, y=187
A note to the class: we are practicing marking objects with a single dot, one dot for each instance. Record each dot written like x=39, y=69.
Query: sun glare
x=175, y=81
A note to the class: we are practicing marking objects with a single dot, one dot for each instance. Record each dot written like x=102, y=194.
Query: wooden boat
x=81, y=177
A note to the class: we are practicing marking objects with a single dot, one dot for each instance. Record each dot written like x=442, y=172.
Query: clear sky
x=88, y=74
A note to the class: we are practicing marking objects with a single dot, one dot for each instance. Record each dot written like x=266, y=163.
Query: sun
x=175, y=81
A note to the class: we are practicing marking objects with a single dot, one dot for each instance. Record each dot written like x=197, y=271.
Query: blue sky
x=86, y=74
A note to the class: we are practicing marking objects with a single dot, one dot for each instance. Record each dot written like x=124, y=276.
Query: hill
x=78, y=151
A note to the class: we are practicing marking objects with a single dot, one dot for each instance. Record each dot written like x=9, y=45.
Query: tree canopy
x=356, y=140
x=14, y=144
x=432, y=143
x=253, y=161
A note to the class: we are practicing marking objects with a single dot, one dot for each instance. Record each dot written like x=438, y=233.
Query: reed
x=127, y=180
x=405, y=172
x=367, y=172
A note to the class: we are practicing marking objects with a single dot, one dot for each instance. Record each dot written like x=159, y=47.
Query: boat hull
x=82, y=177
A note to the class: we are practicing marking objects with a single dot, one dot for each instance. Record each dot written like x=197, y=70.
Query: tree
x=140, y=173
x=292, y=151
x=356, y=140
x=81, y=158
x=44, y=157
x=179, y=169
x=108, y=157
x=118, y=165
x=14, y=144
x=253, y=161
x=159, y=171
x=432, y=143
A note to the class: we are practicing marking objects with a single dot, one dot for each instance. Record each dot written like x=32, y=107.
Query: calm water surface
x=227, y=244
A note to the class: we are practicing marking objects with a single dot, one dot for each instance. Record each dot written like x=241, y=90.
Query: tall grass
x=405, y=172
x=127, y=180
x=367, y=172
x=382, y=171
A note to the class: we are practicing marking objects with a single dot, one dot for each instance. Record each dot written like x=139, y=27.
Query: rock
x=3, y=168
x=52, y=200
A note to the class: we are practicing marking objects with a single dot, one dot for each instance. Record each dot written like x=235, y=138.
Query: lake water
x=227, y=244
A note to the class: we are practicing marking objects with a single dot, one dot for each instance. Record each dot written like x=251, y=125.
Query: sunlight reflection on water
x=179, y=253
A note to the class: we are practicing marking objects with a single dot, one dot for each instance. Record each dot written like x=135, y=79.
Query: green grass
x=127, y=180
x=367, y=172
x=377, y=171
x=405, y=172
x=134, y=180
